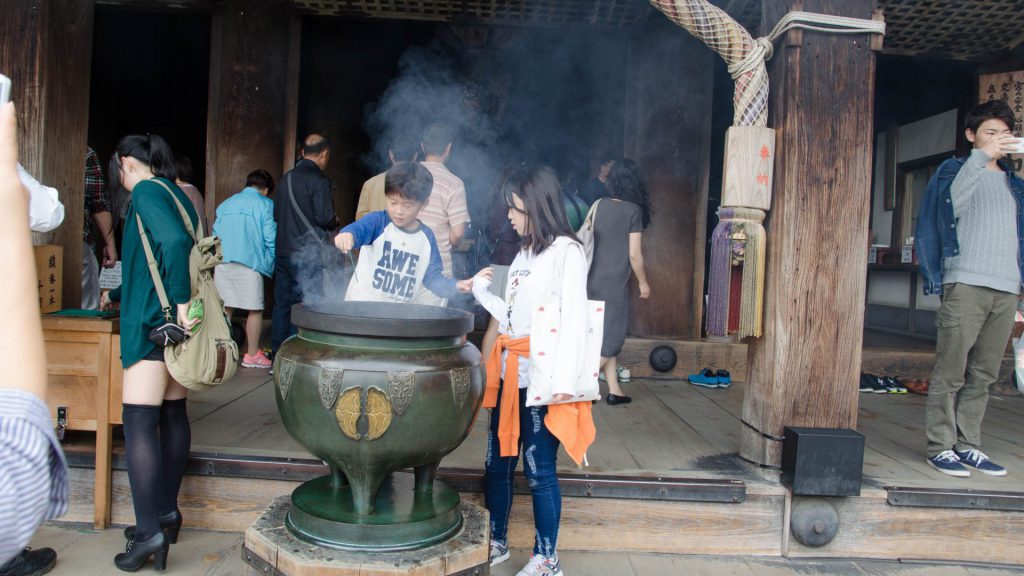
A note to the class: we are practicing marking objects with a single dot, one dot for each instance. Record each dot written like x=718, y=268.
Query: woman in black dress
x=619, y=221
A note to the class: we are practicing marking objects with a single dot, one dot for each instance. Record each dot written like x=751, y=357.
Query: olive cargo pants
x=974, y=325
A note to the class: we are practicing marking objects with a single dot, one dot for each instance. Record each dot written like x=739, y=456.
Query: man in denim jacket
x=969, y=236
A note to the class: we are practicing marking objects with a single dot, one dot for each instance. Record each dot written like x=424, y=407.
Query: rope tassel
x=753, y=275
x=738, y=240
x=718, y=283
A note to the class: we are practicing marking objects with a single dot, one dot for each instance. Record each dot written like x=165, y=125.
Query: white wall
x=929, y=137
x=934, y=135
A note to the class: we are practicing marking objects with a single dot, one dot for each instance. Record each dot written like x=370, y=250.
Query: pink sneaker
x=258, y=360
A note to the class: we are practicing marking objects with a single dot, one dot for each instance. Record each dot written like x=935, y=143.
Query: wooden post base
x=271, y=549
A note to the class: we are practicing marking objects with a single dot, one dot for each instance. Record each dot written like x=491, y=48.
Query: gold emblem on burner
x=348, y=411
x=378, y=413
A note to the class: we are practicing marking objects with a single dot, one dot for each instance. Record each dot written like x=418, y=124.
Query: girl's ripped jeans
x=539, y=449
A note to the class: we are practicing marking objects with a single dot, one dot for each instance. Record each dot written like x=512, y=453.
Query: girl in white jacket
x=549, y=270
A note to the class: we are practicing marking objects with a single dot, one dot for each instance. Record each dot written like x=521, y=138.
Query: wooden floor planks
x=671, y=428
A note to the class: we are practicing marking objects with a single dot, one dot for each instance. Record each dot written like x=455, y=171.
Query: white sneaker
x=540, y=565
x=622, y=374
x=499, y=552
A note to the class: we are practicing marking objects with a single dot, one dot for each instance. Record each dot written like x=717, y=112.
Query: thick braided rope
x=746, y=56
x=733, y=43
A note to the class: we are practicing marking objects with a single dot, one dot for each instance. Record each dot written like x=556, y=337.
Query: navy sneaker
x=877, y=384
x=948, y=462
x=724, y=378
x=865, y=383
x=976, y=459
x=705, y=379
x=893, y=385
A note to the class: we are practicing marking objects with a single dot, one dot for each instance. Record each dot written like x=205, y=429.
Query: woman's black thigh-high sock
x=142, y=452
x=175, y=441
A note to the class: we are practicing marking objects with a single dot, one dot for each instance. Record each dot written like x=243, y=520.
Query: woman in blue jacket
x=246, y=227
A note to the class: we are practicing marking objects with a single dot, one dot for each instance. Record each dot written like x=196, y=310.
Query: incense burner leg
x=364, y=491
x=338, y=479
x=425, y=476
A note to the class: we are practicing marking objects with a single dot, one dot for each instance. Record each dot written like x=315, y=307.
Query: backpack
x=209, y=356
x=575, y=210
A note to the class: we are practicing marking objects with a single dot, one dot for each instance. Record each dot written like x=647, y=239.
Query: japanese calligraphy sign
x=747, y=175
x=1009, y=87
x=49, y=272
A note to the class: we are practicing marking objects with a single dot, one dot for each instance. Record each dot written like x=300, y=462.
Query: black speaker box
x=822, y=461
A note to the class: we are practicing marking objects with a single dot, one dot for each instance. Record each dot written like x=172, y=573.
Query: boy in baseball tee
x=399, y=260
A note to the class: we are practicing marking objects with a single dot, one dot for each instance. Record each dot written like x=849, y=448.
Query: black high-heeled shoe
x=170, y=524
x=137, y=553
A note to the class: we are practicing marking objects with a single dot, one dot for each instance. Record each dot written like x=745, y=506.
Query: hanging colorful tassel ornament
x=736, y=287
x=735, y=300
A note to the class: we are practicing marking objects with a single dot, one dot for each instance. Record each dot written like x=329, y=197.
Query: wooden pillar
x=806, y=367
x=46, y=50
x=668, y=131
x=254, y=48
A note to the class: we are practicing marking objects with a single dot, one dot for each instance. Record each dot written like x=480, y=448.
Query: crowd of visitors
x=409, y=220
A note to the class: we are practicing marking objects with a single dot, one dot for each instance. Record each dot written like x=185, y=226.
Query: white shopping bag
x=1018, y=354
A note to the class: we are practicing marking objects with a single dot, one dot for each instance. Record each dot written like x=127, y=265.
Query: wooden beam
x=806, y=367
x=46, y=50
x=213, y=106
x=291, y=101
x=668, y=130
x=248, y=94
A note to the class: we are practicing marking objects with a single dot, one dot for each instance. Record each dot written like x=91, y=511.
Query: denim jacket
x=935, y=236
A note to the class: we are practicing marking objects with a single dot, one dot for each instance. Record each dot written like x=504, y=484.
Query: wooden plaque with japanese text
x=1009, y=87
x=749, y=158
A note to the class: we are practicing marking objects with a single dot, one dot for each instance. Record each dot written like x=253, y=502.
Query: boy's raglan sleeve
x=368, y=228
x=434, y=278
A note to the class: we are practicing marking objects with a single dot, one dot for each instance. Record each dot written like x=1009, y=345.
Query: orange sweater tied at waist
x=572, y=422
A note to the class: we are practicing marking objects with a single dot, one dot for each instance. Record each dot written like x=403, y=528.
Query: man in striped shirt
x=446, y=213
x=33, y=474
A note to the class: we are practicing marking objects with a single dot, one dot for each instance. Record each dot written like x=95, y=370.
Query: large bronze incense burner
x=371, y=389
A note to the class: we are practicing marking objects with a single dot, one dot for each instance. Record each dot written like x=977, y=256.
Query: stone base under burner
x=271, y=549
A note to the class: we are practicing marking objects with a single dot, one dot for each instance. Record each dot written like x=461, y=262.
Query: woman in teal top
x=157, y=436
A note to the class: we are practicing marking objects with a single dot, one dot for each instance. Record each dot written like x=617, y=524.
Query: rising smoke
x=555, y=97
x=324, y=274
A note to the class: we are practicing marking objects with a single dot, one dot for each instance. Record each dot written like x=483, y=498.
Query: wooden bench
x=84, y=367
